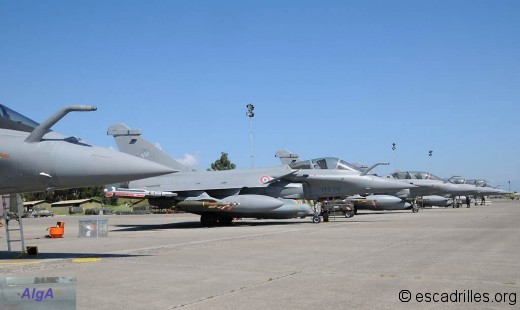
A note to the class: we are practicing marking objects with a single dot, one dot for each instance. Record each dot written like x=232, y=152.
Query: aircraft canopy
x=418, y=175
x=10, y=119
x=326, y=163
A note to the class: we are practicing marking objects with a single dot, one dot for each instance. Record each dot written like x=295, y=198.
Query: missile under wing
x=249, y=192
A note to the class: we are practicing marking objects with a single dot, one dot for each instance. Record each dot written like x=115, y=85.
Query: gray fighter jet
x=484, y=189
x=34, y=158
x=219, y=196
x=429, y=184
x=375, y=202
x=427, y=188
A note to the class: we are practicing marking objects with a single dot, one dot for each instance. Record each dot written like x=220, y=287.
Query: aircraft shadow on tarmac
x=236, y=224
x=197, y=225
x=383, y=212
x=43, y=255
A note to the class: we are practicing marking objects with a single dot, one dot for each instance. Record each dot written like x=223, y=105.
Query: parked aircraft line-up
x=220, y=196
x=427, y=189
x=368, y=202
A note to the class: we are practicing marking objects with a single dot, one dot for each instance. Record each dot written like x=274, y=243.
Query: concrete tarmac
x=170, y=262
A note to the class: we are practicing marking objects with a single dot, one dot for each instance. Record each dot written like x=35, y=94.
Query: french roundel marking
x=265, y=179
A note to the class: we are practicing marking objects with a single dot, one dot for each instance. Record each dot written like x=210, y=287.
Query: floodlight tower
x=394, y=147
x=251, y=114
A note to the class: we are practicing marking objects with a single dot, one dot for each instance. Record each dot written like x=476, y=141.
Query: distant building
x=76, y=206
x=30, y=206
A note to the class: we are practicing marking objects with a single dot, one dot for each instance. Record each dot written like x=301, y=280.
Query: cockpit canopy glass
x=327, y=163
x=10, y=119
x=480, y=183
x=417, y=175
x=457, y=180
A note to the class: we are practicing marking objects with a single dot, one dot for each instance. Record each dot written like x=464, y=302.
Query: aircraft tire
x=316, y=219
x=225, y=220
x=415, y=209
x=208, y=220
x=349, y=214
x=204, y=220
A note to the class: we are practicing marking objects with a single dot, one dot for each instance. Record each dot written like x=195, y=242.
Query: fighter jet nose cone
x=80, y=166
x=110, y=163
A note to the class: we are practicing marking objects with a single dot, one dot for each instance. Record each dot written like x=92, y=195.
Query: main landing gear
x=350, y=213
x=211, y=219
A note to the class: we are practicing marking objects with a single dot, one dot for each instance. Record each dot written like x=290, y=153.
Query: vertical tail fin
x=287, y=157
x=130, y=141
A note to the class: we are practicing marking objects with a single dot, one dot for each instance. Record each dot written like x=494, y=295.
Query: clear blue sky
x=336, y=78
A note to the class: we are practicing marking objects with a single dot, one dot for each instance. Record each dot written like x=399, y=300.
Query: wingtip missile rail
x=136, y=194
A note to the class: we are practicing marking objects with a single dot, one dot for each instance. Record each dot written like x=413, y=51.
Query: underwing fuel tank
x=380, y=202
x=288, y=211
x=291, y=209
x=433, y=200
x=386, y=202
x=236, y=204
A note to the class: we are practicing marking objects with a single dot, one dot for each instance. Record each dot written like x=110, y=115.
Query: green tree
x=223, y=163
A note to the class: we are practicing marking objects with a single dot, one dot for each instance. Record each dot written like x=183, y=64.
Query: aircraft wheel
x=316, y=219
x=204, y=220
x=415, y=209
x=349, y=214
x=225, y=220
x=208, y=220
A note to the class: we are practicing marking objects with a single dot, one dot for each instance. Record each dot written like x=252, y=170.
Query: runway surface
x=170, y=261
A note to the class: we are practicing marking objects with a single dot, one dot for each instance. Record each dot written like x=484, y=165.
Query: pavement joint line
x=270, y=280
x=350, y=258
x=292, y=231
